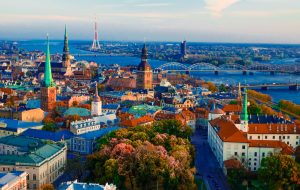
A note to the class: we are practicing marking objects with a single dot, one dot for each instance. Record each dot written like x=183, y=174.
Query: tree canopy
x=279, y=172
x=159, y=156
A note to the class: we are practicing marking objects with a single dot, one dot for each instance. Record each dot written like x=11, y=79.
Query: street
x=206, y=164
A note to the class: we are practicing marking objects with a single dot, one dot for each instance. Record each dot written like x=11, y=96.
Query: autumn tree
x=279, y=172
x=47, y=187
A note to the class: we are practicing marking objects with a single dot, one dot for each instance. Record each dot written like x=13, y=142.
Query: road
x=206, y=164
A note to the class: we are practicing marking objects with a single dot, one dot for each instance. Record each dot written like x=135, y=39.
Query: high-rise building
x=96, y=108
x=48, y=89
x=66, y=58
x=183, y=50
x=144, y=72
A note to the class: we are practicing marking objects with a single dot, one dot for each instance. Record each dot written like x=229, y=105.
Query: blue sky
x=274, y=21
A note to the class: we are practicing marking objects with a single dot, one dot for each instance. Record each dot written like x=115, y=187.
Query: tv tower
x=96, y=44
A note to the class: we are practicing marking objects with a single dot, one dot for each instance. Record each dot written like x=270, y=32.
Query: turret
x=96, y=107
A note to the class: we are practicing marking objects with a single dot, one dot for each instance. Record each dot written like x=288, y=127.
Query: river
x=222, y=77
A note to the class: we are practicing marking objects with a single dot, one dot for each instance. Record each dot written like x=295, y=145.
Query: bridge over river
x=207, y=67
x=291, y=86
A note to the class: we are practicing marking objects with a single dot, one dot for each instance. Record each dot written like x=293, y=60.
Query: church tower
x=144, y=72
x=96, y=108
x=244, y=114
x=66, y=57
x=48, y=88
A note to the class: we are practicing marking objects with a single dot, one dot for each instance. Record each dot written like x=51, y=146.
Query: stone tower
x=66, y=57
x=96, y=107
x=48, y=88
x=144, y=72
x=244, y=114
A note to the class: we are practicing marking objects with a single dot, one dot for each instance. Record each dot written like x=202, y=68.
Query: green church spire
x=66, y=42
x=48, y=81
x=244, y=115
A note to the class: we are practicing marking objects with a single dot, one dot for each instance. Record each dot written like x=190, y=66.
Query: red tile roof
x=285, y=149
x=232, y=108
x=274, y=129
x=227, y=131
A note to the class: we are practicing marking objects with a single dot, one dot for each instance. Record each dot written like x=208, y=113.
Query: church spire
x=244, y=115
x=66, y=46
x=239, y=91
x=144, y=53
x=48, y=81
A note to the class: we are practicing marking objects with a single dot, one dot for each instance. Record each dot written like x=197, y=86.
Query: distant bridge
x=207, y=67
x=291, y=86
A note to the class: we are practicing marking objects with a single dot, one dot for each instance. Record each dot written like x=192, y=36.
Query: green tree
x=279, y=172
x=50, y=126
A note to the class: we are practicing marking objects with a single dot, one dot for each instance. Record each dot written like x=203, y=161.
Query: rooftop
x=12, y=176
x=37, y=151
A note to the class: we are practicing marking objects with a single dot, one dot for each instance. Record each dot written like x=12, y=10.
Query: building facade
x=44, y=162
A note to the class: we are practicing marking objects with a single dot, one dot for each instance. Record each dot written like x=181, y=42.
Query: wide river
x=225, y=78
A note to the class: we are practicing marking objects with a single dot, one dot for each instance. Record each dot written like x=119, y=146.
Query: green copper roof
x=48, y=81
x=36, y=151
x=244, y=116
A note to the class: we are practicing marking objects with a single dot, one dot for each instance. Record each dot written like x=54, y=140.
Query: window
x=263, y=154
x=243, y=153
x=254, y=168
x=296, y=143
x=283, y=137
x=273, y=137
x=33, y=177
x=258, y=137
x=279, y=137
x=235, y=153
x=266, y=137
x=297, y=137
x=254, y=163
x=255, y=153
x=288, y=137
x=250, y=137
x=243, y=147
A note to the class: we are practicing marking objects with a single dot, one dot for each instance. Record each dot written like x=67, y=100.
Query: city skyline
x=256, y=21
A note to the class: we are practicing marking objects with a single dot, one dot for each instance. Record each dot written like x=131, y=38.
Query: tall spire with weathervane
x=244, y=114
x=48, y=89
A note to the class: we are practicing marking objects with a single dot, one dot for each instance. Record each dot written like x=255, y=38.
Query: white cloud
x=217, y=6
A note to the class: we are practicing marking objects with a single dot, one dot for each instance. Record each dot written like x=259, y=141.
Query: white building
x=96, y=107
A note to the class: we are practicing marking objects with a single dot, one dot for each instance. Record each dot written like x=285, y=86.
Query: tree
x=47, y=187
x=254, y=108
x=50, y=127
x=212, y=87
x=222, y=88
x=279, y=172
x=267, y=110
x=297, y=154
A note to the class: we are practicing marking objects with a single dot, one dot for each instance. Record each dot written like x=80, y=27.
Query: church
x=144, y=72
x=60, y=69
x=48, y=88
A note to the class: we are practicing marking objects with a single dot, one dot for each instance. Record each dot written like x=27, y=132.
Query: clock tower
x=144, y=72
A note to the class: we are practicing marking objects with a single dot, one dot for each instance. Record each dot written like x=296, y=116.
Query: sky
x=249, y=21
